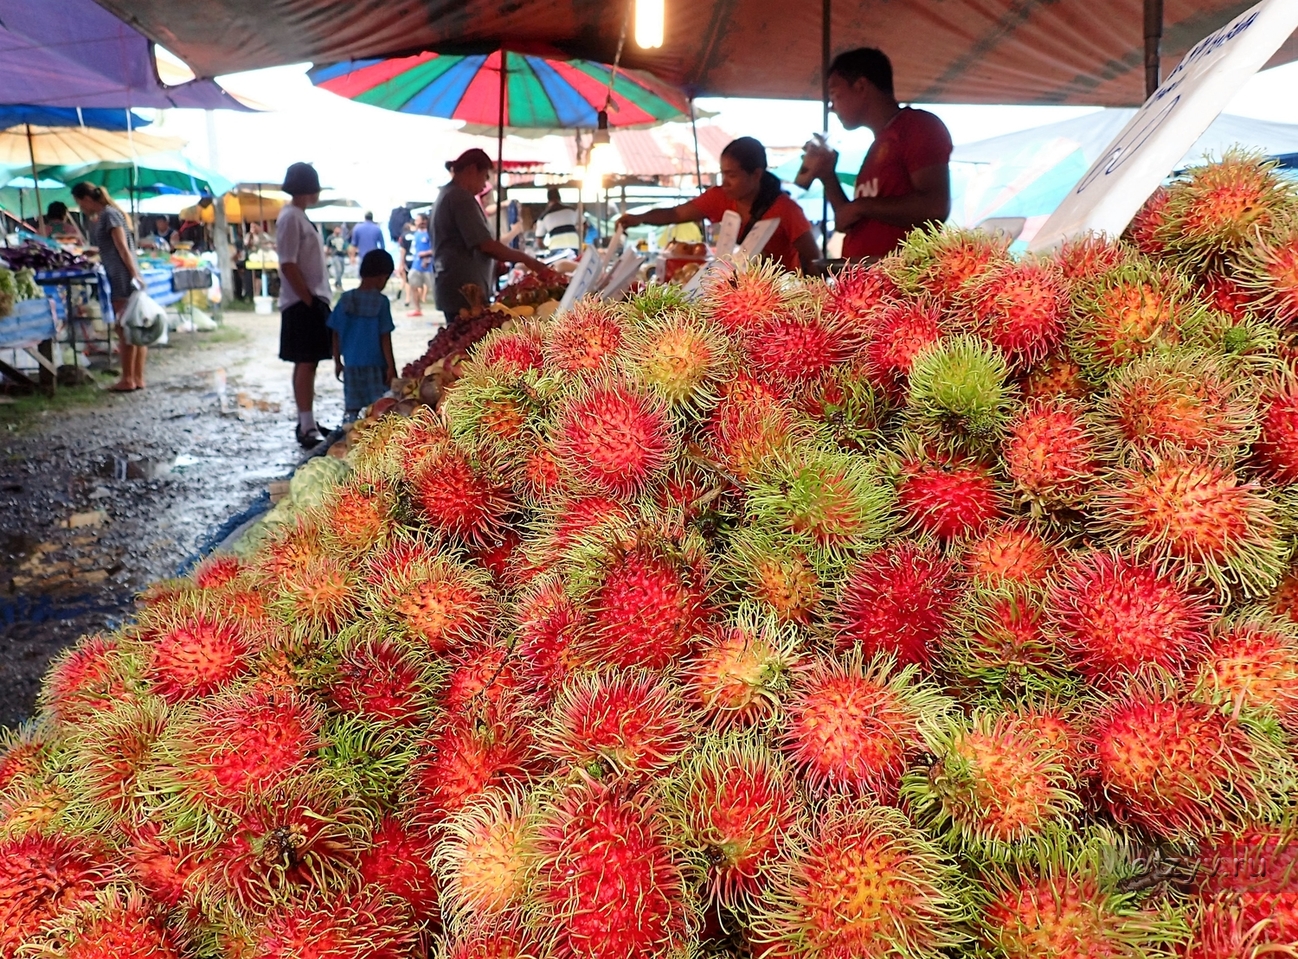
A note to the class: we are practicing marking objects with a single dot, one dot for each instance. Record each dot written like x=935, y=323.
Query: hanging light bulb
x=601, y=129
x=649, y=16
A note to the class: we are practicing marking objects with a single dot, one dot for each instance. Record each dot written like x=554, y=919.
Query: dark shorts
x=362, y=385
x=303, y=336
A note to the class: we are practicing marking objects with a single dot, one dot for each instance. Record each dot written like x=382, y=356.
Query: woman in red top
x=753, y=193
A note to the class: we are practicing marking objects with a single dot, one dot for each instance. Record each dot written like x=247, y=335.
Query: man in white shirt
x=557, y=224
x=304, y=304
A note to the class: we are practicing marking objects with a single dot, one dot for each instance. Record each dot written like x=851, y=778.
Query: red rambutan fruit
x=607, y=881
x=398, y=860
x=1145, y=229
x=739, y=298
x=484, y=672
x=23, y=752
x=733, y=803
x=1058, y=375
x=584, y=338
x=515, y=350
x=613, y=439
x=321, y=594
x=484, y=857
x=219, y=569
x=1225, y=294
x=1269, y=271
x=465, y=756
x=384, y=681
x=442, y=603
x=461, y=498
x=947, y=497
x=89, y=678
x=940, y=261
x=629, y=722
x=158, y=863
x=1129, y=311
x=863, y=884
x=111, y=753
x=547, y=620
x=796, y=346
x=1001, y=642
x=995, y=785
x=118, y=924
x=856, y=292
x=1277, y=446
x=899, y=332
x=737, y=675
x=357, y=515
x=1252, y=666
x=505, y=936
x=1115, y=616
x=681, y=357
x=361, y=925
x=1020, y=306
x=749, y=425
x=1180, y=768
x=41, y=877
x=1246, y=905
x=1200, y=515
x=1010, y=553
x=290, y=548
x=855, y=729
x=1050, y=453
x=192, y=657
x=897, y=600
x=1089, y=256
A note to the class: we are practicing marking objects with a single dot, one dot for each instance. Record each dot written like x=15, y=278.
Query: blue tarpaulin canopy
x=101, y=118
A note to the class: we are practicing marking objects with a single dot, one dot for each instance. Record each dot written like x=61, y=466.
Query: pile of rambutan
x=943, y=608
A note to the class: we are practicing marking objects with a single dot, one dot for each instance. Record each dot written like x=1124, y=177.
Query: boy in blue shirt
x=362, y=336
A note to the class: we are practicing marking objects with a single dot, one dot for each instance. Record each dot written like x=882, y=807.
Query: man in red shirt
x=904, y=181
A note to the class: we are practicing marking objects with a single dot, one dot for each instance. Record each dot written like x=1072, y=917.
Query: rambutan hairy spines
x=862, y=883
x=852, y=728
x=681, y=357
x=737, y=298
x=1180, y=768
x=1245, y=899
x=797, y=346
x=585, y=338
x=219, y=569
x=366, y=923
x=777, y=572
x=941, y=262
x=1051, y=453
x=897, y=600
x=383, y=680
x=733, y=804
x=507, y=936
x=358, y=514
x=607, y=878
x=947, y=497
x=110, y=756
x=464, y=756
x=1251, y=667
x=514, y=350
x=121, y=922
x=613, y=439
x=1269, y=270
x=995, y=785
x=485, y=856
x=90, y=677
x=192, y=656
x=1276, y=449
x=1019, y=306
x=857, y=292
x=440, y=601
x=738, y=675
x=1011, y=553
x=999, y=641
x=1144, y=230
x=41, y=876
x=628, y=723
x=461, y=496
x=398, y=859
x=1199, y=516
x=1115, y=616
x=1089, y=256
x=898, y=333
x=959, y=391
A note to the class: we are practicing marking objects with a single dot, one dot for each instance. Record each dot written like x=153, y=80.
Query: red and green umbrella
x=541, y=93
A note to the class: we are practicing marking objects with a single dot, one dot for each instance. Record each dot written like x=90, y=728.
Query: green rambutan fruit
x=940, y=261
x=337, y=925
x=607, y=879
x=1252, y=667
x=1011, y=553
x=775, y=571
x=1115, y=616
x=847, y=405
x=1246, y=903
x=42, y=877
x=1089, y=256
x=854, y=729
x=946, y=497
x=654, y=301
x=1051, y=453
x=121, y=922
x=466, y=755
x=837, y=500
x=629, y=722
x=738, y=674
x=441, y=602
x=1268, y=269
x=1019, y=306
x=899, y=332
x=1198, y=515
x=611, y=438
x=1144, y=232
x=516, y=349
x=500, y=412
x=1215, y=210
x=995, y=785
x=358, y=514
x=999, y=641
x=732, y=803
x=1180, y=768
x=738, y=298
x=959, y=390
x=897, y=600
x=1073, y=898
x=484, y=858
x=1129, y=311
x=369, y=761
x=192, y=656
x=1277, y=445
x=92, y=676
x=1185, y=400
x=797, y=346
x=681, y=357
x=383, y=680
x=585, y=338
x=862, y=883
x=398, y=860
x=461, y=496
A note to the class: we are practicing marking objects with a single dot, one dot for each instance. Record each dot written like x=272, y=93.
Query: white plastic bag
x=143, y=321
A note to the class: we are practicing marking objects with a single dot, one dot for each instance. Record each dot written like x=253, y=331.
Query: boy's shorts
x=362, y=385
x=418, y=278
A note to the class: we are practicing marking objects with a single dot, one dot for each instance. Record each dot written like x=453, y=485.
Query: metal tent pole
x=826, y=45
x=500, y=146
x=1153, y=43
x=698, y=167
x=36, y=181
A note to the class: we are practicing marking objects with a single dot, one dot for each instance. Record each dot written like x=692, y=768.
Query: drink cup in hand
x=815, y=148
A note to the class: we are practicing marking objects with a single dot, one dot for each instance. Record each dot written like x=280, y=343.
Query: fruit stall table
x=59, y=285
x=32, y=327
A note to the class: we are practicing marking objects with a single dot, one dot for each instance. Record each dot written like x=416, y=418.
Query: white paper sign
x=728, y=233
x=1148, y=148
x=758, y=237
x=624, y=271
x=588, y=269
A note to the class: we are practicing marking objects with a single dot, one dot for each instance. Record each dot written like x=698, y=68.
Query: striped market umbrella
x=541, y=95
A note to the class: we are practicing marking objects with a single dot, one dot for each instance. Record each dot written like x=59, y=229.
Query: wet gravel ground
x=98, y=502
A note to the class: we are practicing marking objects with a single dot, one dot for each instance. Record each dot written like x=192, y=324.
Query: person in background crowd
x=397, y=220
x=404, y=259
x=420, y=273
x=304, y=339
x=366, y=236
x=59, y=226
x=362, y=336
x=160, y=240
x=465, y=252
x=192, y=231
x=556, y=227
x=905, y=180
x=110, y=235
x=336, y=247
x=753, y=192
x=257, y=239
